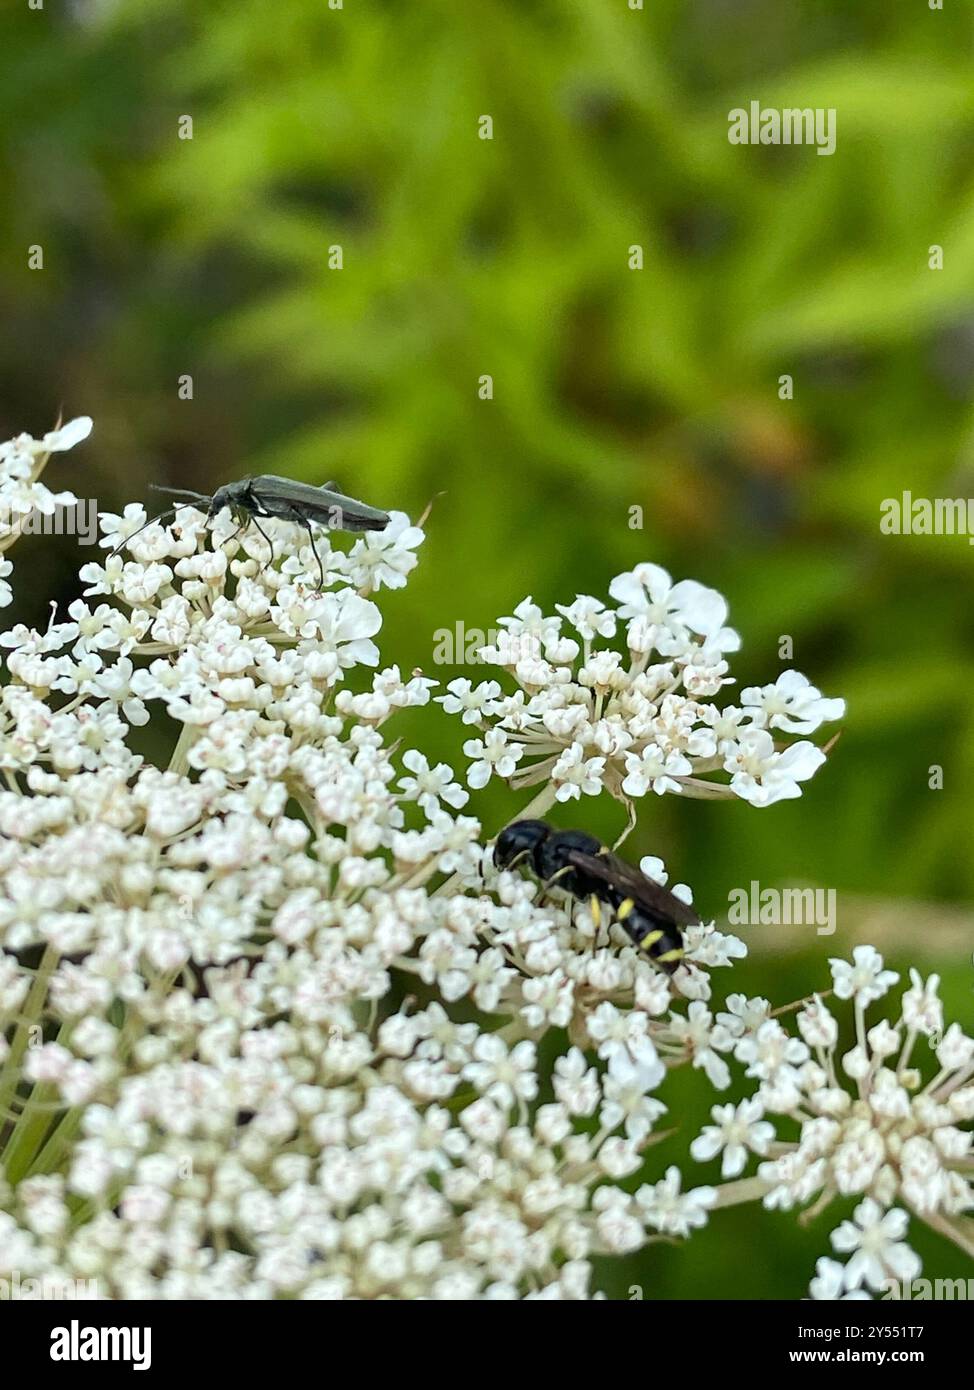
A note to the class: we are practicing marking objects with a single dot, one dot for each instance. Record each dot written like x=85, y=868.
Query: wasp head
x=519, y=841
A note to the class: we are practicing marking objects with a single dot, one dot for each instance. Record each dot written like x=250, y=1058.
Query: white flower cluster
x=869, y=1124
x=210, y=1084
x=22, y=460
x=214, y=1080
x=587, y=717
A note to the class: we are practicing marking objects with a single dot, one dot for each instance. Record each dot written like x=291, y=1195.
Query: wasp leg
x=517, y=859
x=595, y=907
x=552, y=882
x=512, y=865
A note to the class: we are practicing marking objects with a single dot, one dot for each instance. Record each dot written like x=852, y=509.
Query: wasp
x=270, y=496
x=581, y=865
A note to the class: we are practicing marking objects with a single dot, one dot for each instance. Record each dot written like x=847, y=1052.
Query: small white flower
x=703, y=1039
x=792, y=704
x=500, y=1075
x=665, y=1208
x=386, y=557
x=573, y=774
x=922, y=1010
x=736, y=1130
x=576, y=1084
x=817, y=1026
x=648, y=593
x=875, y=1239
x=865, y=980
x=67, y=436
x=589, y=617
x=471, y=702
x=956, y=1050
x=549, y=1001
x=653, y=769
x=761, y=775
x=493, y=755
x=829, y=1282
x=625, y=1089
x=430, y=786
x=770, y=1050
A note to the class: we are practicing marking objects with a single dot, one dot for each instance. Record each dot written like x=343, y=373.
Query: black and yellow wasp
x=581, y=865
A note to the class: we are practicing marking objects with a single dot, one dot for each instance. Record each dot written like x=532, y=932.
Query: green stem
x=732, y=1194
x=33, y=1010
x=49, y=1159
x=541, y=804
x=179, y=762
x=960, y=1230
x=25, y=1143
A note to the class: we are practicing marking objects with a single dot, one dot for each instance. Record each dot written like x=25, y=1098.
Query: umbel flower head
x=588, y=716
x=215, y=1080
x=886, y=1118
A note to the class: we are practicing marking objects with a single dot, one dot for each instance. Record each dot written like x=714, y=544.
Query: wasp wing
x=285, y=496
x=615, y=873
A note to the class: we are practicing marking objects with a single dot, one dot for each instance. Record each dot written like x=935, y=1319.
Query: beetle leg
x=236, y=533
x=314, y=551
x=267, y=538
x=303, y=521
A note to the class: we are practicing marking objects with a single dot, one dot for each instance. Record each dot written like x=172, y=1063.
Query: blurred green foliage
x=613, y=387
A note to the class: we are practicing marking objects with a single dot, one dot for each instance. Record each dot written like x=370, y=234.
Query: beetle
x=271, y=496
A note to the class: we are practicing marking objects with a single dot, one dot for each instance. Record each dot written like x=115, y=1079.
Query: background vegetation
x=612, y=387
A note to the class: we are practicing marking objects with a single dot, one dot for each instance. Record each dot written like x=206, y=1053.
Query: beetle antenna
x=180, y=492
x=139, y=530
